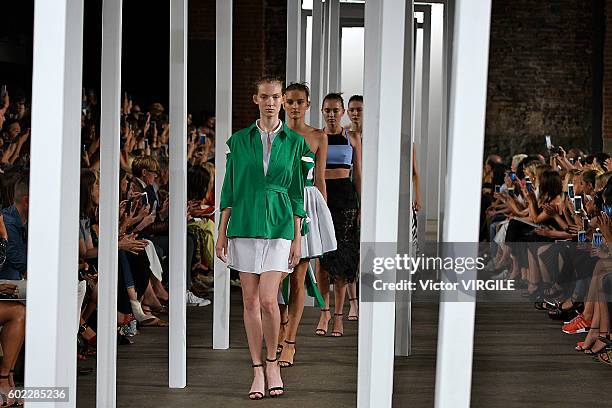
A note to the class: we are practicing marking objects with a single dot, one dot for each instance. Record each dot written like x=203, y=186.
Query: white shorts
x=258, y=255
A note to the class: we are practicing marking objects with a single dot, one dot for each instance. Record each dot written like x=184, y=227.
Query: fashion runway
x=521, y=359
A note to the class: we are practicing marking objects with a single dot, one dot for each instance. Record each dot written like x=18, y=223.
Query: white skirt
x=258, y=255
x=321, y=237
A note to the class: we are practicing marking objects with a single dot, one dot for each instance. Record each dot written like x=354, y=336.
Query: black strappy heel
x=279, y=346
x=271, y=389
x=287, y=363
x=257, y=394
x=337, y=333
x=322, y=332
x=353, y=318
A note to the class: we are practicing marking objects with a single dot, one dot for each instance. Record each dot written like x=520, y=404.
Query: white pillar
x=334, y=46
x=403, y=299
x=294, y=40
x=436, y=115
x=315, y=64
x=223, y=106
x=466, y=139
x=51, y=324
x=177, y=338
x=110, y=122
x=380, y=204
x=422, y=148
x=325, y=48
x=303, y=26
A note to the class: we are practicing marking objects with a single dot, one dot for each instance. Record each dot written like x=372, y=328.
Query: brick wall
x=259, y=41
x=607, y=81
x=540, y=75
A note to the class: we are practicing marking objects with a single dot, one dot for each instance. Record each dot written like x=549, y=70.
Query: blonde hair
x=602, y=180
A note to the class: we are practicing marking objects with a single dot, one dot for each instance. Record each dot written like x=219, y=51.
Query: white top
x=265, y=136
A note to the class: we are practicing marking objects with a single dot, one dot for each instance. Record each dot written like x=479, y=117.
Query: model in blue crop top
x=339, y=151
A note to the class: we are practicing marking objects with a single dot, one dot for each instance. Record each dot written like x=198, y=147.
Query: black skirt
x=343, y=263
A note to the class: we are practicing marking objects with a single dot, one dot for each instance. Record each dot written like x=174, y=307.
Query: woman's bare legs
x=12, y=318
x=339, y=293
x=92, y=304
x=249, y=282
x=270, y=321
x=351, y=288
x=296, y=308
x=323, y=285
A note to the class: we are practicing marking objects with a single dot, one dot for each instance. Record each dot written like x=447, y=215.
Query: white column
x=379, y=210
x=334, y=46
x=110, y=122
x=51, y=324
x=325, y=48
x=436, y=115
x=424, y=113
x=466, y=139
x=403, y=299
x=303, y=25
x=223, y=106
x=177, y=338
x=315, y=64
x=294, y=40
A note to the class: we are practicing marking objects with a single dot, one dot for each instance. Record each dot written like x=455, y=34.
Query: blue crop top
x=339, y=151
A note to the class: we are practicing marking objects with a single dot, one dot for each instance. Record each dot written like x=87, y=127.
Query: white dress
x=258, y=255
x=321, y=237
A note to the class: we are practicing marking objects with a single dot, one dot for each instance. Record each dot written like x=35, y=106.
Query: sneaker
x=577, y=325
x=193, y=300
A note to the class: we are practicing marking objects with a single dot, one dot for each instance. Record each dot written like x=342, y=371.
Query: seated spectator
x=15, y=219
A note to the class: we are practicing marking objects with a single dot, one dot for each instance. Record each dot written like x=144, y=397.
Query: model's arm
x=320, y=164
x=356, y=140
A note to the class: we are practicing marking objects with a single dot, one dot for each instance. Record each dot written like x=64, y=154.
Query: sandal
x=285, y=363
x=20, y=401
x=6, y=401
x=323, y=332
x=605, y=357
x=256, y=395
x=278, y=388
x=602, y=339
x=279, y=346
x=353, y=318
x=336, y=333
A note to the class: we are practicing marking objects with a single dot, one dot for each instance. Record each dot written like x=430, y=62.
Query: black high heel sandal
x=287, y=363
x=322, y=332
x=279, y=346
x=257, y=394
x=353, y=318
x=271, y=389
x=337, y=333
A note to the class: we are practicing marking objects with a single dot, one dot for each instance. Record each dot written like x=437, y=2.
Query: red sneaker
x=578, y=325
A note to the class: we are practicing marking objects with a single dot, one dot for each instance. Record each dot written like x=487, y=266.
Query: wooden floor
x=521, y=359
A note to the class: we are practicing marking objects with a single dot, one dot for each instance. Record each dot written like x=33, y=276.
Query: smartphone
x=512, y=176
x=578, y=204
x=144, y=199
x=570, y=191
x=146, y=144
x=84, y=150
x=511, y=191
x=497, y=189
x=597, y=238
x=581, y=236
x=529, y=186
x=152, y=124
x=585, y=224
x=202, y=139
x=607, y=208
x=2, y=91
x=572, y=160
x=549, y=145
